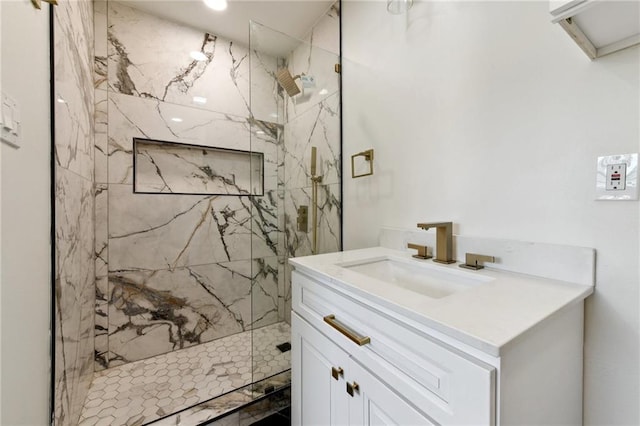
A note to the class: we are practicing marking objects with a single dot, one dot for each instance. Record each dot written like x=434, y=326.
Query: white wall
x=486, y=114
x=0, y=226
x=25, y=203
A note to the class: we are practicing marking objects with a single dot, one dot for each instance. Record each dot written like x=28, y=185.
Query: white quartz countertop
x=486, y=316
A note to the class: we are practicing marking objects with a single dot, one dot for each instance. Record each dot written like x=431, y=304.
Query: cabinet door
x=374, y=403
x=317, y=397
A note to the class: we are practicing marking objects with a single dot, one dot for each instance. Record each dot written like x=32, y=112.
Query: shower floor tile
x=143, y=391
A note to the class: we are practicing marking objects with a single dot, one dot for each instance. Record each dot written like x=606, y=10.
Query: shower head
x=287, y=82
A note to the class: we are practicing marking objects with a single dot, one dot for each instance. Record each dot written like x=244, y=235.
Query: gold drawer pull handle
x=349, y=333
x=337, y=372
x=351, y=388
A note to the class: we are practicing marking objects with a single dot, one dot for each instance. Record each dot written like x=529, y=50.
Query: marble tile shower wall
x=313, y=119
x=74, y=206
x=172, y=270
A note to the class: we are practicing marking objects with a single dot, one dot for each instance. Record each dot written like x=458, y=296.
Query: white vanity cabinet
x=402, y=376
x=319, y=367
x=359, y=358
x=332, y=388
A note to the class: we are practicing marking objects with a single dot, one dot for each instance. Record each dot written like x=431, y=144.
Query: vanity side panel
x=541, y=373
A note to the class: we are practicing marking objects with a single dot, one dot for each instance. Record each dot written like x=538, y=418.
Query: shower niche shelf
x=161, y=167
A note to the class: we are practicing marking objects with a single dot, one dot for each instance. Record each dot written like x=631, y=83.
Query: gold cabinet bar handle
x=348, y=332
x=337, y=372
x=351, y=388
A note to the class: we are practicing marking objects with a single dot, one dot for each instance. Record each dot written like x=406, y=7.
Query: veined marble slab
x=74, y=205
x=319, y=126
x=154, y=312
x=300, y=243
x=325, y=34
x=157, y=232
x=154, y=232
x=131, y=117
x=329, y=211
x=267, y=100
x=101, y=142
x=311, y=60
x=73, y=35
x=100, y=44
x=150, y=57
x=101, y=343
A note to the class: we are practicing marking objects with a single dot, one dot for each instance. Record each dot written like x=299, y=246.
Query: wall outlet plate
x=611, y=166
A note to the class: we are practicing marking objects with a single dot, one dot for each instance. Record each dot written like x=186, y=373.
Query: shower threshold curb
x=273, y=390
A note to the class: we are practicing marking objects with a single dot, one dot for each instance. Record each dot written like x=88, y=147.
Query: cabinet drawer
x=449, y=386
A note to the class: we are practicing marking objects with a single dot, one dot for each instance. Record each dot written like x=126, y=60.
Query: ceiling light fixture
x=216, y=4
x=198, y=56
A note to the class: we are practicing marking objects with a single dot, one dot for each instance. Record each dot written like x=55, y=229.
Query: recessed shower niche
x=161, y=167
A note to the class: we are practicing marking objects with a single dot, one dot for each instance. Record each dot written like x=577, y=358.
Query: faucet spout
x=428, y=225
x=444, y=240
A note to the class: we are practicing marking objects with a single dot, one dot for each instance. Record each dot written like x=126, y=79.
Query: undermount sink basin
x=429, y=280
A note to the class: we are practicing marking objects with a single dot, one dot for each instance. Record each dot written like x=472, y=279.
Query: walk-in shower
x=194, y=173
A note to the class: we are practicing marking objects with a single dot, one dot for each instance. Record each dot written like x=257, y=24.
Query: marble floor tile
x=142, y=392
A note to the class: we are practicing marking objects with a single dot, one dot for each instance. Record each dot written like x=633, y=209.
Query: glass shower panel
x=174, y=181
x=289, y=126
x=202, y=162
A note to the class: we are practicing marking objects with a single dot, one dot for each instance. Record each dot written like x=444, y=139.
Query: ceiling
x=294, y=18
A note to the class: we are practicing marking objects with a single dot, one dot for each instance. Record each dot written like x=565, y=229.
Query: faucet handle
x=474, y=261
x=422, y=251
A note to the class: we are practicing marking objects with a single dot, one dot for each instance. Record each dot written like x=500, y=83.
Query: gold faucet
x=444, y=238
x=422, y=251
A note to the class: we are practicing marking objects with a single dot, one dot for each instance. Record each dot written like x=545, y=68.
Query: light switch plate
x=617, y=177
x=10, y=121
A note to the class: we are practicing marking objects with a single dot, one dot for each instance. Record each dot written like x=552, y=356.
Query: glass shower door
x=295, y=102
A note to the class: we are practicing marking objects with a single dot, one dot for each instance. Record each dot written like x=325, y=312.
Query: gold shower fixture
x=38, y=5
x=315, y=181
x=288, y=82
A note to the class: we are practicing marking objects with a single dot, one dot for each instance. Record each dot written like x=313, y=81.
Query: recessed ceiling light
x=177, y=119
x=216, y=4
x=198, y=56
x=199, y=100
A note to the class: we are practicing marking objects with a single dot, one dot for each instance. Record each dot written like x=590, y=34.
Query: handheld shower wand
x=315, y=180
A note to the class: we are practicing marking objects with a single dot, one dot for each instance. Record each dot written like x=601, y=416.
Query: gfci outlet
x=617, y=177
